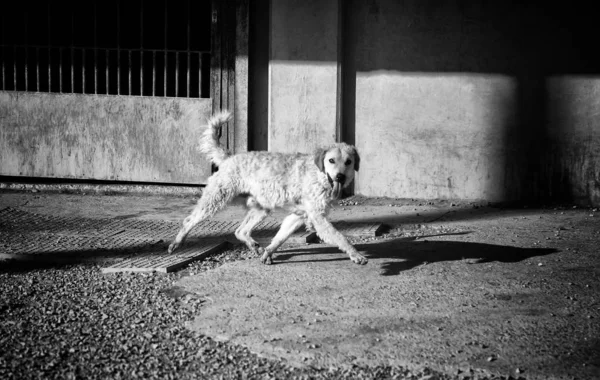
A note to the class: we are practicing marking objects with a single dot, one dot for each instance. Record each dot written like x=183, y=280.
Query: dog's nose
x=340, y=178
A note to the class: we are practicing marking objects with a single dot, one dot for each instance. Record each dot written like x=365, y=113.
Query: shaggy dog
x=301, y=183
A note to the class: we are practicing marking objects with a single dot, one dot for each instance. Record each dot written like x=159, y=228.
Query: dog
x=304, y=184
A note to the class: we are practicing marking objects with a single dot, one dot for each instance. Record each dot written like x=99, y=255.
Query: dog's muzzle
x=341, y=178
x=337, y=185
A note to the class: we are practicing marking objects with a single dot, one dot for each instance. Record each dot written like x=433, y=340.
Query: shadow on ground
x=406, y=253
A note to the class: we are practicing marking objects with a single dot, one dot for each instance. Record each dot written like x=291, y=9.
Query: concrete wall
x=485, y=100
x=140, y=139
x=302, y=74
x=472, y=100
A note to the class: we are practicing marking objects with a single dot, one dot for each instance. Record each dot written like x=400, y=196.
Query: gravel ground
x=72, y=321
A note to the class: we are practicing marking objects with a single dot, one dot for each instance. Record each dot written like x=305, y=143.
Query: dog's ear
x=356, y=160
x=319, y=157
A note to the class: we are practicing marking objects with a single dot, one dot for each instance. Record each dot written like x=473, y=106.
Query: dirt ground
x=464, y=288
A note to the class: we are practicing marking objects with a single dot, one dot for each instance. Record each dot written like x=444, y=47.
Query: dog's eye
x=331, y=160
x=348, y=162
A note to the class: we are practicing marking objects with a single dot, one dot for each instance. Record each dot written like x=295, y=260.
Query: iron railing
x=113, y=47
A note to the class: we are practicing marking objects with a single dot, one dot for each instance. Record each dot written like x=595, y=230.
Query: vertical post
x=339, y=106
x=223, y=62
x=216, y=63
x=229, y=30
x=239, y=85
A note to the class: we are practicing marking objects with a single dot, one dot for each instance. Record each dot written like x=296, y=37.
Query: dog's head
x=338, y=162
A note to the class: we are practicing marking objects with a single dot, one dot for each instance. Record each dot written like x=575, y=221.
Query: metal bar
x=26, y=54
x=153, y=73
x=187, y=82
x=3, y=52
x=60, y=66
x=37, y=69
x=72, y=50
x=107, y=52
x=118, y=48
x=96, y=71
x=200, y=75
x=132, y=49
x=176, y=74
x=141, y=48
x=166, y=57
x=129, y=72
x=49, y=48
x=3, y=70
x=83, y=71
x=95, y=49
x=15, y=68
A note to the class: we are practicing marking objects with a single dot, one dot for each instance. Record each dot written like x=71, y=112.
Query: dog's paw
x=359, y=259
x=256, y=249
x=172, y=247
x=266, y=258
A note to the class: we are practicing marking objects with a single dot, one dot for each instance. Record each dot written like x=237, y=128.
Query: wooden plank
x=164, y=262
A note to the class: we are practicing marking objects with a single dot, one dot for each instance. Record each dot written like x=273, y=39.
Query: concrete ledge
x=101, y=188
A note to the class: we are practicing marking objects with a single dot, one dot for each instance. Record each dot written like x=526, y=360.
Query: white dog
x=304, y=184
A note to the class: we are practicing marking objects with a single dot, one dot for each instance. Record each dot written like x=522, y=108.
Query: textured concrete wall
x=475, y=100
x=302, y=74
x=102, y=137
x=573, y=159
x=432, y=136
x=472, y=100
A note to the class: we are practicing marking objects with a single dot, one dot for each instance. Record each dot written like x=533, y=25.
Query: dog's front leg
x=330, y=235
x=289, y=225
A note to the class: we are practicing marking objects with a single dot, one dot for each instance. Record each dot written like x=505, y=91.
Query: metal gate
x=108, y=90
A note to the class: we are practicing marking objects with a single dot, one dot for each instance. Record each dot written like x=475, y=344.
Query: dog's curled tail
x=209, y=143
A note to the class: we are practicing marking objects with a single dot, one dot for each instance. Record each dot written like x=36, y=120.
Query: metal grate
x=113, y=47
x=143, y=241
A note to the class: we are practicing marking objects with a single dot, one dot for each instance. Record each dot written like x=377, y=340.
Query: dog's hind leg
x=289, y=225
x=330, y=235
x=254, y=216
x=214, y=198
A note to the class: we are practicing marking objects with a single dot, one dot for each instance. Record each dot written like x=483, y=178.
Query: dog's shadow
x=403, y=254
